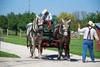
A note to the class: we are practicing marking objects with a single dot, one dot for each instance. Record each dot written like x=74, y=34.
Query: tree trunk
x=1, y=31
x=16, y=29
x=16, y=32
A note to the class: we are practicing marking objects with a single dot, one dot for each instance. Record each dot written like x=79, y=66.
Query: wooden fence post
x=20, y=33
x=7, y=32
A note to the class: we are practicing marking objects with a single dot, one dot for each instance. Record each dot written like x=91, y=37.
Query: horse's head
x=39, y=24
x=39, y=21
x=66, y=25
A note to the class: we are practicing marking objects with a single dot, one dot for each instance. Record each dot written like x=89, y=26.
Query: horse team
x=58, y=36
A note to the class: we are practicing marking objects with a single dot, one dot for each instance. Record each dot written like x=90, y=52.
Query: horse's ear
x=69, y=21
x=62, y=20
x=36, y=18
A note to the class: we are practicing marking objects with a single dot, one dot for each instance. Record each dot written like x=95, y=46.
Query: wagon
x=54, y=39
x=48, y=39
x=50, y=34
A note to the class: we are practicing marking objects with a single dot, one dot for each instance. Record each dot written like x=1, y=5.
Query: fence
x=75, y=35
x=10, y=32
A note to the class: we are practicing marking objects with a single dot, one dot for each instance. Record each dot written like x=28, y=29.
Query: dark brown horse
x=62, y=33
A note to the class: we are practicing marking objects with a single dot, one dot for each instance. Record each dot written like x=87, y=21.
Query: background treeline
x=17, y=22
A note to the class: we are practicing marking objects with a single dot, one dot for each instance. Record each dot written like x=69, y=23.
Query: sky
x=54, y=6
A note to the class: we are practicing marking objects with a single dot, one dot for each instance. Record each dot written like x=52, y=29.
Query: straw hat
x=44, y=11
x=91, y=23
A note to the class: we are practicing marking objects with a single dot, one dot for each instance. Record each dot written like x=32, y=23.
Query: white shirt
x=85, y=30
x=49, y=17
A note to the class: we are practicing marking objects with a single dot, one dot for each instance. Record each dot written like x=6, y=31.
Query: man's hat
x=44, y=11
x=91, y=23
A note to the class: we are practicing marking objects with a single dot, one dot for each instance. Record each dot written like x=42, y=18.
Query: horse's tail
x=27, y=40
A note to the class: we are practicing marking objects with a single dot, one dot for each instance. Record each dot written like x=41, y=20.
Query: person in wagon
x=47, y=17
x=89, y=33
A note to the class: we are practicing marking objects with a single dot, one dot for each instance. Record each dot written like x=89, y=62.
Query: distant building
x=98, y=32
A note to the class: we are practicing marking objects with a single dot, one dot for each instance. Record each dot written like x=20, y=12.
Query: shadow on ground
x=93, y=62
x=54, y=58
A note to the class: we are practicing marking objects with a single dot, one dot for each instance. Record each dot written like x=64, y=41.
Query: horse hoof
x=40, y=57
x=68, y=59
x=31, y=56
x=65, y=58
x=59, y=58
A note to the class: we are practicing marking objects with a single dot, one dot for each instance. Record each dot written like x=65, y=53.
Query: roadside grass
x=75, y=45
x=15, y=39
x=5, y=54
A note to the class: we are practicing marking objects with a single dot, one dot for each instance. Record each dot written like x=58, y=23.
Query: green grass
x=5, y=54
x=15, y=39
x=75, y=45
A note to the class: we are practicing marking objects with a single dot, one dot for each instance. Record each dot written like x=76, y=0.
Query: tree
x=19, y=21
x=13, y=22
x=4, y=22
x=67, y=16
x=95, y=17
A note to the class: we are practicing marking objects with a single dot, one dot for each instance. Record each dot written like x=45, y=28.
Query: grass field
x=5, y=54
x=75, y=45
x=15, y=39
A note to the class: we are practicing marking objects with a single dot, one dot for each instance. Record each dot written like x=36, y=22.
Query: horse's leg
x=39, y=49
x=31, y=50
x=32, y=47
x=59, y=56
x=66, y=49
x=60, y=50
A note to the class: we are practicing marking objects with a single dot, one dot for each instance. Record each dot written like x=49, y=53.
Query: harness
x=89, y=34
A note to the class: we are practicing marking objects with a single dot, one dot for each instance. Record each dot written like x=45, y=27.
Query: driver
x=47, y=17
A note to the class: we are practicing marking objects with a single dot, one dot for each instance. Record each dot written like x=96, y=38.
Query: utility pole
x=28, y=6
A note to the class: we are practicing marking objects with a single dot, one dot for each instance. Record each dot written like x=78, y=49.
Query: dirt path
x=46, y=61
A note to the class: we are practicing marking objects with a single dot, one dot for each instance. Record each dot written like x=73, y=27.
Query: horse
x=62, y=32
x=34, y=34
x=66, y=38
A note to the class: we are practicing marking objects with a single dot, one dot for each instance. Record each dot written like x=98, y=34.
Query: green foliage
x=3, y=22
x=95, y=17
x=16, y=21
x=66, y=16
